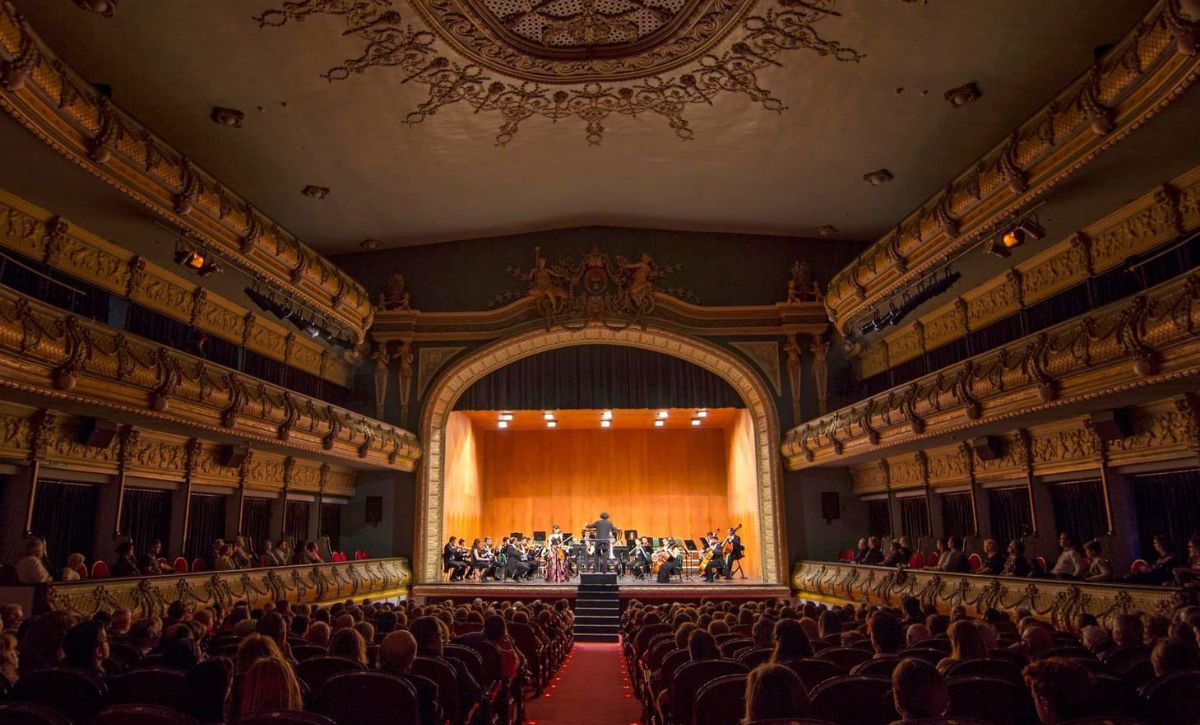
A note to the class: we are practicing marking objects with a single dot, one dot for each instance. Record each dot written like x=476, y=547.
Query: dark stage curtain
x=956, y=514
x=331, y=524
x=1168, y=504
x=599, y=376
x=206, y=524
x=295, y=521
x=914, y=518
x=1008, y=510
x=256, y=518
x=64, y=514
x=146, y=516
x=1079, y=508
x=879, y=520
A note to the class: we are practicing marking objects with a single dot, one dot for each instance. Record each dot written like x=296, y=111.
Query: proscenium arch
x=454, y=381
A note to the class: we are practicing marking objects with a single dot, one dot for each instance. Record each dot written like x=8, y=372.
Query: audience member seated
x=1016, y=564
x=1189, y=575
x=775, y=692
x=874, y=555
x=993, y=558
x=1099, y=569
x=396, y=655
x=954, y=560
x=896, y=557
x=270, y=685
x=966, y=643
x=791, y=644
x=31, y=568
x=126, y=564
x=1163, y=568
x=1173, y=655
x=860, y=551
x=1061, y=689
x=886, y=633
x=918, y=690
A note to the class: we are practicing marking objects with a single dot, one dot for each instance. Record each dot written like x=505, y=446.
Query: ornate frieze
x=1102, y=106
x=150, y=596
x=1052, y=600
x=1135, y=343
x=57, y=105
x=45, y=351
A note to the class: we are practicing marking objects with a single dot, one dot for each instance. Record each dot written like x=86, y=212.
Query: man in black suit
x=452, y=561
x=516, y=568
x=735, y=553
x=604, y=535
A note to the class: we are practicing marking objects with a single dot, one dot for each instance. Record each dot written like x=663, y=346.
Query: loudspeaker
x=1111, y=425
x=987, y=448
x=831, y=506
x=374, y=509
x=96, y=432
x=232, y=456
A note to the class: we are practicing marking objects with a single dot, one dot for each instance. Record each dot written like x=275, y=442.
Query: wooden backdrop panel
x=661, y=482
x=463, y=489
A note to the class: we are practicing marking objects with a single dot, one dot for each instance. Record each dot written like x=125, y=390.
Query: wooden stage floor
x=644, y=590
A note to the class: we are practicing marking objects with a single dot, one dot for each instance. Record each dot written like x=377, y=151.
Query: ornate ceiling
x=431, y=120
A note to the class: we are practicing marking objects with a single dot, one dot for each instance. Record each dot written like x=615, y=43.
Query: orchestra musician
x=452, y=561
x=604, y=538
x=732, y=547
x=640, y=558
x=516, y=568
x=672, y=558
x=483, y=560
x=556, y=559
x=715, y=565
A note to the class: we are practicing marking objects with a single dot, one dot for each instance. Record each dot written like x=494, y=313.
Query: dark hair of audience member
x=42, y=644
x=348, y=643
x=494, y=628
x=182, y=655
x=918, y=690
x=791, y=643
x=270, y=686
x=1172, y=655
x=682, y=632
x=775, y=692
x=829, y=623
x=966, y=642
x=702, y=646
x=85, y=646
x=253, y=648
x=1061, y=689
x=937, y=624
x=887, y=634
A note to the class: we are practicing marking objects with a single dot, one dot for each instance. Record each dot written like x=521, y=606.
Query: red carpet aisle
x=591, y=687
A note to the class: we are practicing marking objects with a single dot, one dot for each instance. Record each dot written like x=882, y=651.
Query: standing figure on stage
x=452, y=561
x=672, y=561
x=733, y=550
x=604, y=537
x=556, y=557
x=640, y=558
x=716, y=560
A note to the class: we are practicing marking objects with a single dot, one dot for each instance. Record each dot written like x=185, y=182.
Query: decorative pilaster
x=820, y=372
x=404, y=354
x=794, y=357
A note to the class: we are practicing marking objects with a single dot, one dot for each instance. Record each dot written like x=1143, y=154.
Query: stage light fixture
x=506, y=417
x=695, y=421
x=606, y=415
x=1027, y=229
x=548, y=415
x=606, y=423
x=702, y=413
x=659, y=423
x=502, y=424
x=551, y=423
x=196, y=261
x=662, y=415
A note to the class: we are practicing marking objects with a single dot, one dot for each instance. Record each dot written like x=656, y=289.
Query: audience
x=396, y=656
x=270, y=685
x=918, y=690
x=775, y=691
x=966, y=643
x=1061, y=689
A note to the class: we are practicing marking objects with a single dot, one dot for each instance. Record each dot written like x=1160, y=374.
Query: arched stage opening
x=455, y=380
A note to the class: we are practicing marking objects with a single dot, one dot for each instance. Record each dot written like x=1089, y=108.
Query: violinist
x=640, y=558
x=452, y=562
x=483, y=560
x=733, y=550
x=556, y=561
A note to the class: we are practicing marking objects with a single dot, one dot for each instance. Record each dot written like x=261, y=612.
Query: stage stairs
x=597, y=608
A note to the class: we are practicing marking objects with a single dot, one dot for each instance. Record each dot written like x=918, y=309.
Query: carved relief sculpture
x=395, y=295
x=381, y=358
x=802, y=287
x=404, y=353
x=792, y=348
x=820, y=372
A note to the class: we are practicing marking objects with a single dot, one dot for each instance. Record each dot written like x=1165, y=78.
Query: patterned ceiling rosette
x=586, y=59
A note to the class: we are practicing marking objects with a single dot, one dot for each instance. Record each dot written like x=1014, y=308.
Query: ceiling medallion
x=582, y=59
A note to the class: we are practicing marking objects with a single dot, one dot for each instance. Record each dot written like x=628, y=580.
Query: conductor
x=604, y=537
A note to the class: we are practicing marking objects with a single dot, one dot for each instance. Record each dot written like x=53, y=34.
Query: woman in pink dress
x=556, y=558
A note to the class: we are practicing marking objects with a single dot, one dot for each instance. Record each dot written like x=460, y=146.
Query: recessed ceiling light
x=548, y=415
x=878, y=177
x=659, y=423
x=606, y=415
x=506, y=417
x=230, y=117
x=316, y=192
x=502, y=424
x=370, y=244
x=702, y=413
x=552, y=423
x=606, y=423
x=695, y=421
x=662, y=415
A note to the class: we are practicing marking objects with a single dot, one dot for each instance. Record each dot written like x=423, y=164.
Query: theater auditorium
x=599, y=362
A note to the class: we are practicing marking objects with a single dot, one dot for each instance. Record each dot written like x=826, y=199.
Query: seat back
x=846, y=555
x=1014, y=657
x=99, y=569
x=1139, y=566
x=720, y=701
x=469, y=657
x=931, y=558
x=754, y=656
x=941, y=644
x=814, y=670
x=881, y=666
x=642, y=639
x=857, y=699
x=352, y=698
x=1118, y=657
x=28, y=713
x=999, y=669
x=733, y=644
x=489, y=654
x=151, y=686
x=846, y=658
x=142, y=715
x=71, y=693
x=671, y=662
x=198, y=565
x=990, y=698
x=654, y=656
x=446, y=678
x=307, y=651
x=1114, y=696
x=317, y=670
x=1171, y=699
x=916, y=561
x=284, y=718
x=180, y=565
x=1071, y=652
x=975, y=561
x=690, y=677
x=1139, y=672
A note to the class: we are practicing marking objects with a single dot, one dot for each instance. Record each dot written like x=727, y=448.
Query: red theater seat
x=99, y=570
x=198, y=565
x=976, y=562
x=916, y=561
x=181, y=565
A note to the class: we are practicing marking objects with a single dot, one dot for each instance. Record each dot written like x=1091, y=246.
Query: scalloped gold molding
x=458, y=376
x=1155, y=63
x=51, y=100
x=1049, y=599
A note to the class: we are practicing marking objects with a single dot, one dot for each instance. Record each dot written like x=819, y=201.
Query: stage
x=644, y=590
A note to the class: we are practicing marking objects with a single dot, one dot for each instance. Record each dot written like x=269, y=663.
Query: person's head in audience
x=386, y=621
x=270, y=685
x=397, y=652
x=1092, y=636
x=830, y=623
x=937, y=624
x=775, y=692
x=1128, y=631
x=495, y=629
x=966, y=642
x=1172, y=655
x=810, y=627
x=1083, y=619
x=182, y=654
x=1016, y=549
x=1157, y=627
x=348, y=643
x=763, y=633
x=124, y=549
x=367, y=630
x=718, y=627
x=912, y=609
x=873, y=543
x=1163, y=545
x=35, y=547
x=791, y=643
x=11, y=615
x=273, y=625
x=991, y=547
x=887, y=635
x=299, y=625
x=1036, y=640
x=85, y=646
x=988, y=633
x=252, y=649
x=1067, y=541
x=862, y=544
x=1061, y=689
x=428, y=634
x=939, y=545
x=682, y=632
x=702, y=646
x=916, y=633
x=176, y=610
x=918, y=690
x=9, y=664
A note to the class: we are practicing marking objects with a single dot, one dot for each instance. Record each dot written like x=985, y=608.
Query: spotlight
x=548, y=415
x=702, y=413
x=1024, y=230
x=606, y=415
x=506, y=417
x=551, y=423
x=502, y=424
x=662, y=415
x=659, y=423
x=695, y=421
x=196, y=261
x=606, y=423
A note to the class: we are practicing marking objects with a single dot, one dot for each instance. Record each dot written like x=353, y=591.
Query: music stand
x=631, y=536
x=539, y=536
x=689, y=544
